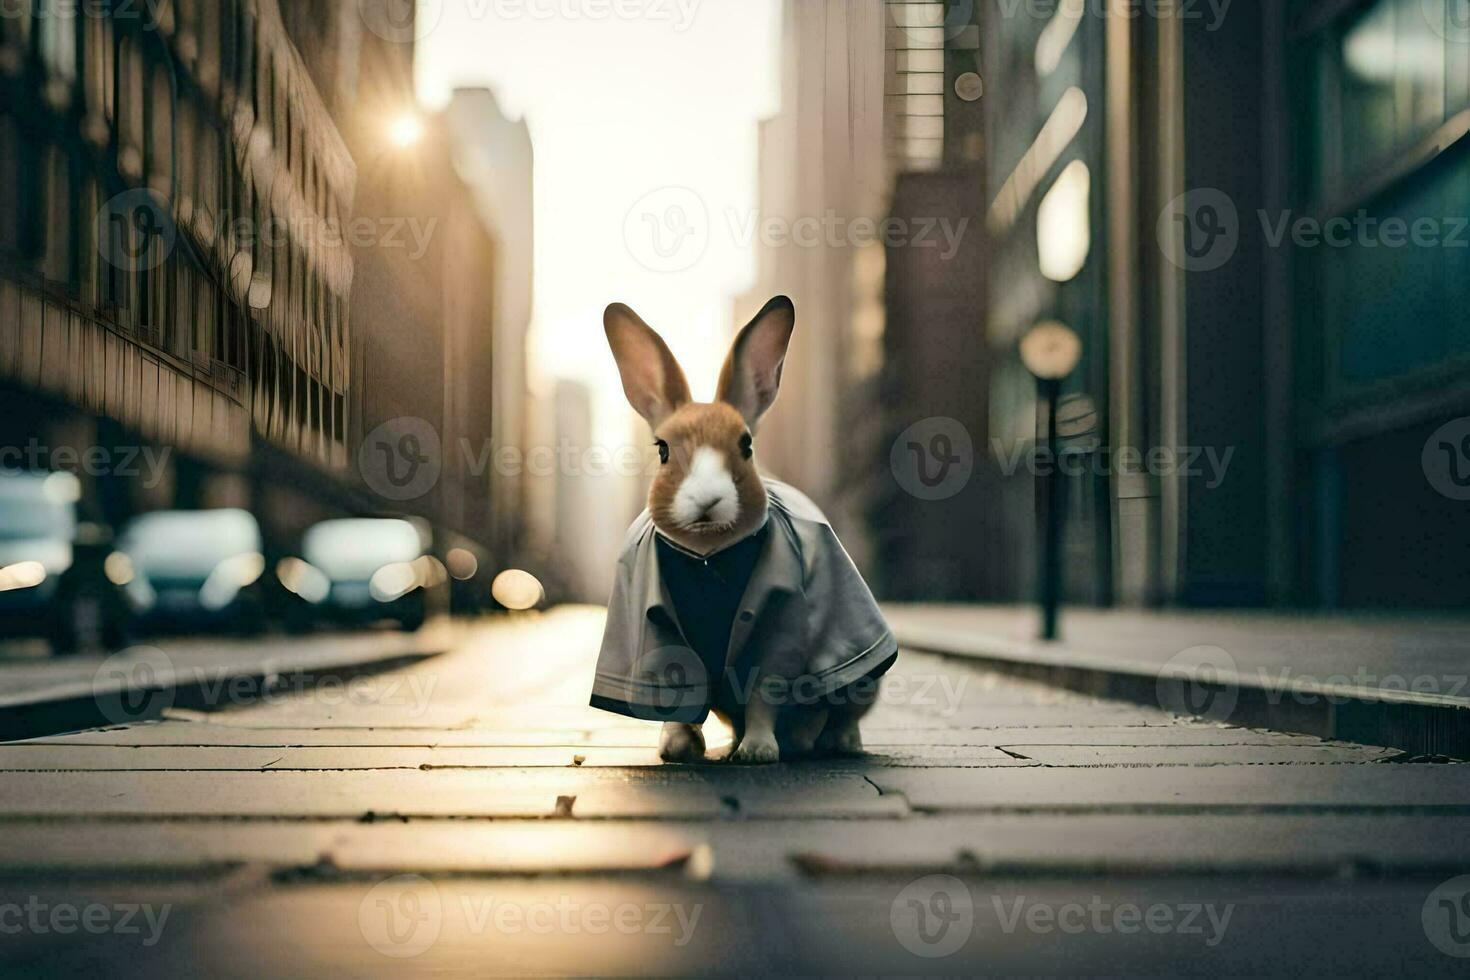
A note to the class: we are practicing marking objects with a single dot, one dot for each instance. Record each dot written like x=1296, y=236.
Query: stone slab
x=185, y=733
x=674, y=792
x=439, y=926
x=1200, y=755
x=1218, y=787
x=241, y=758
x=1180, y=734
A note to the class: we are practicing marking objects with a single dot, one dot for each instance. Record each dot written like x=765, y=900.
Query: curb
x=76, y=706
x=1419, y=724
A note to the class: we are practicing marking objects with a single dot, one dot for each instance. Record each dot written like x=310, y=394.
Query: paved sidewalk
x=41, y=694
x=468, y=815
x=1392, y=680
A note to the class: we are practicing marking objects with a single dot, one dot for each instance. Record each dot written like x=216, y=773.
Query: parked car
x=194, y=569
x=356, y=571
x=52, y=580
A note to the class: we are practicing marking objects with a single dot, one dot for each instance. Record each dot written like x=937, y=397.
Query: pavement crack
x=1012, y=754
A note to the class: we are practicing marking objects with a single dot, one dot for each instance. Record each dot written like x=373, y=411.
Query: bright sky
x=621, y=107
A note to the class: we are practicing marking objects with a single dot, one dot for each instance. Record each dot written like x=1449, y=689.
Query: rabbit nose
x=707, y=492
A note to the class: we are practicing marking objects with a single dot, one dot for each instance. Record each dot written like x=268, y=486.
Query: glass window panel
x=1457, y=55
x=130, y=109
x=1392, y=309
x=56, y=261
x=1369, y=73
x=1319, y=150
x=1420, y=66
x=10, y=206
x=160, y=132
x=59, y=39
x=99, y=72
x=1456, y=256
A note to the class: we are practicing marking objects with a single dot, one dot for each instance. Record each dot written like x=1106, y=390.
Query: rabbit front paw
x=757, y=750
x=681, y=743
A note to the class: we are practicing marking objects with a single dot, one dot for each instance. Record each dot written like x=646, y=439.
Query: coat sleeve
x=847, y=635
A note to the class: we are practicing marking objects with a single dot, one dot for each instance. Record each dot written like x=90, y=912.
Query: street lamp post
x=1050, y=350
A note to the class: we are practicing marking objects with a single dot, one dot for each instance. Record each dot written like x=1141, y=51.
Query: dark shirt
x=706, y=593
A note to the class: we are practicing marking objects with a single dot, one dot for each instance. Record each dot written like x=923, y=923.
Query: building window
x=130, y=106
x=89, y=249
x=160, y=133
x=58, y=43
x=100, y=65
x=56, y=260
x=11, y=195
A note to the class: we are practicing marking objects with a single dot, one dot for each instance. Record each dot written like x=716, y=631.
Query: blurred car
x=191, y=569
x=355, y=571
x=52, y=582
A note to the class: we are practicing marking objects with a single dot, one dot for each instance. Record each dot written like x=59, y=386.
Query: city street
x=467, y=815
x=385, y=383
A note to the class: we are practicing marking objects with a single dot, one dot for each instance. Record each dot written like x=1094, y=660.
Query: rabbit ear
x=652, y=379
x=752, y=373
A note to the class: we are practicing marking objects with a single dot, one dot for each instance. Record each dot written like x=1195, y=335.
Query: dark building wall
x=424, y=300
x=1226, y=102
x=1323, y=370
x=935, y=361
x=1376, y=98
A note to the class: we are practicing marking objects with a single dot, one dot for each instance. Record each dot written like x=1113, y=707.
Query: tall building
x=881, y=135
x=822, y=163
x=933, y=382
x=189, y=194
x=1238, y=180
x=164, y=187
x=494, y=156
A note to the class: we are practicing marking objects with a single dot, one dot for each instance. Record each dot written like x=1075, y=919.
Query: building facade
x=494, y=155
x=165, y=183
x=1243, y=292
x=822, y=159
x=190, y=192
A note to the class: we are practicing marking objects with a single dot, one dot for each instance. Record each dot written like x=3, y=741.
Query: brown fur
x=749, y=382
x=720, y=427
x=657, y=389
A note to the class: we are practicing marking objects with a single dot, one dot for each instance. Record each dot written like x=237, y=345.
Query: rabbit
x=791, y=645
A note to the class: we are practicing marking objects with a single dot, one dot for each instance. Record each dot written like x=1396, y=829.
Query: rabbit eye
x=747, y=446
x=663, y=451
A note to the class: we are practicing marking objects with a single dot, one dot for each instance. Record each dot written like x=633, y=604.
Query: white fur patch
x=708, y=488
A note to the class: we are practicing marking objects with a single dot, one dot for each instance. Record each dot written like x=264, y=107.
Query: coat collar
x=705, y=556
x=778, y=571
